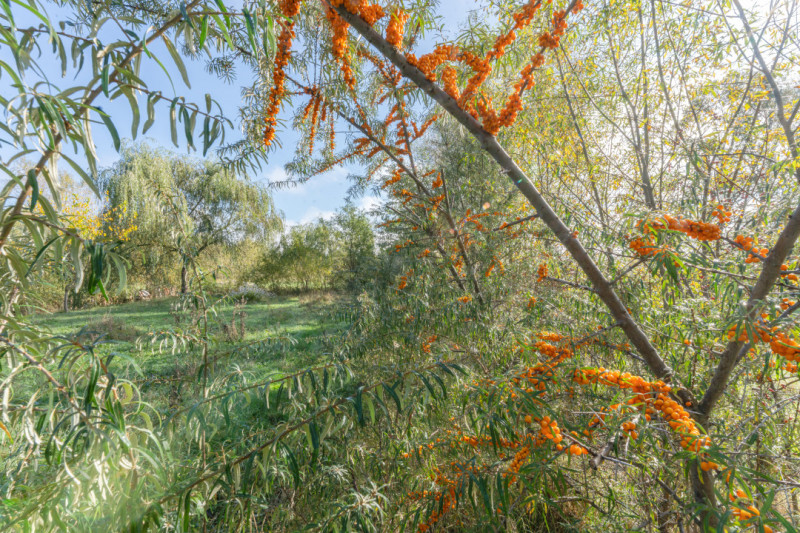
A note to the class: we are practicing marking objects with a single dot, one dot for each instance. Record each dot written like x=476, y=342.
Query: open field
x=280, y=336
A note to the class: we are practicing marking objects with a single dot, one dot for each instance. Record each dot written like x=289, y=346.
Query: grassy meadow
x=281, y=335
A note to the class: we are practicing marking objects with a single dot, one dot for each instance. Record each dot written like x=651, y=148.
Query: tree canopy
x=183, y=205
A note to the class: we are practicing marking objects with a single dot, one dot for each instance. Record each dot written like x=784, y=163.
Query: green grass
x=282, y=335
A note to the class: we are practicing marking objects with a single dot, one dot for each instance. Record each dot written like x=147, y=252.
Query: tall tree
x=184, y=205
x=357, y=241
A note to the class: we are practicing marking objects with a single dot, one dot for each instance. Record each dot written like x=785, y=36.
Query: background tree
x=356, y=246
x=324, y=254
x=215, y=204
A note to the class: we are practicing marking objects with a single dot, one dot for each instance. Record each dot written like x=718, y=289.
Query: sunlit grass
x=294, y=331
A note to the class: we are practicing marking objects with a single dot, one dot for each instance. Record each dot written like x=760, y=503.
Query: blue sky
x=319, y=197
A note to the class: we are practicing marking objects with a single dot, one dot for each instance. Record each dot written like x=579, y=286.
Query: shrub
x=251, y=293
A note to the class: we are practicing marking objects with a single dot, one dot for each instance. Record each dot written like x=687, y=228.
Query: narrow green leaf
x=173, y=122
x=104, y=75
x=33, y=183
x=134, y=103
x=251, y=31
x=151, y=111
x=111, y=129
x=40, y=253
x=176, y=57
x=203, y=32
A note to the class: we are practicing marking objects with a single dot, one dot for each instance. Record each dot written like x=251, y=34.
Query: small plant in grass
x=251, y=292
x=114, y=329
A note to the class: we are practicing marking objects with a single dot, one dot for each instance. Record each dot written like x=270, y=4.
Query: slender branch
x=772, y=264
x=518, y=221
x=518, y=177
x=776, y=92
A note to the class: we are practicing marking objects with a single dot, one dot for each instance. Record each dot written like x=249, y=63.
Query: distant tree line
x=162, y=212
x=325, y=254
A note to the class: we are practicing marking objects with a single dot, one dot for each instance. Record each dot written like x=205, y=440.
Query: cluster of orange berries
x=390, y=222
x=499, y=48
x=465, y=299
x=491, y=120
x=396, y=176
x=316, y=100
x=630, y=428
x=436, y=200
x=779, y=342
x=429, y=62
x=559, y=22
x=681, y=422
x=542, y=272
x=289, y=8
x=489, y=441
x=722, y=215
x=516, y=463
x=403, y=193
x=524, y=16
x=550, y=336
x=745, y=512
x=548, y=430
x=644, y=246
x=450, y=82
x=785, y=347
x=553, y=352
x=447, y=505
x=702, y=231
x=531, y=302
x=395, y=28
x=755, y=255
x=370, y=13
x=522, y=19
x=339, y=42
x=676, y=416
x=404, y=278
x=546, y=40
x=420, y=131
x=482, y=69
x=707, y=466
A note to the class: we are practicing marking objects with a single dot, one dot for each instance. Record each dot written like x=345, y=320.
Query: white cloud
x=368, y=203
x=312, y=214
x=315, y=213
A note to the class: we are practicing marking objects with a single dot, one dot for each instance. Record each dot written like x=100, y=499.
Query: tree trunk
x=66, y=299
x=184, y=284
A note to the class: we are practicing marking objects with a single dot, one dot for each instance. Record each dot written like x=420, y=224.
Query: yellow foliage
x=114, y=224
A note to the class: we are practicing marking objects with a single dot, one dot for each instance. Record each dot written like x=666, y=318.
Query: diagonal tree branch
x=518, y=177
